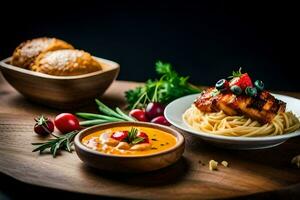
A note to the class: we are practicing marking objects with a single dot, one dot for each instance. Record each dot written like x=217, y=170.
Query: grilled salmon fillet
x=263, y=108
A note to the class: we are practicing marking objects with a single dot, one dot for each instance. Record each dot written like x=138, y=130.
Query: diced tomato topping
x=120, y=135
x=243, y=81
x=143, y=135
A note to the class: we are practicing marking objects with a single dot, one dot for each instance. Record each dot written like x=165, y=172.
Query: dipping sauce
x=129, y=140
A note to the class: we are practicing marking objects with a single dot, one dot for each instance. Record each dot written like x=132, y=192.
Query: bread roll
x=65, y=62
x=27, y=51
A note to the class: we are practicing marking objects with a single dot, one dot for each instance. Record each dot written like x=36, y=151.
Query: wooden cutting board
x=248, y=172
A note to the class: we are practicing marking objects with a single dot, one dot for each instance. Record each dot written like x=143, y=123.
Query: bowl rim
x=112, y=66
x=179, y=136
x=202, y=134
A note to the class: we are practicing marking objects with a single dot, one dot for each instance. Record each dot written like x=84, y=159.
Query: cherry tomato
x=242, y=81
x=143, y=135
x=66, y=122
x=139, y=114
x=120, y=135
x=160, y=120
x=43, y=126
x=154, y=109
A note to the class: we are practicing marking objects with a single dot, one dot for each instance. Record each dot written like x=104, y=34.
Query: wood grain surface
x=249, y=172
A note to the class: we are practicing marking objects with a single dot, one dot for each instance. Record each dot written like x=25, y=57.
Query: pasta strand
x=221, y=124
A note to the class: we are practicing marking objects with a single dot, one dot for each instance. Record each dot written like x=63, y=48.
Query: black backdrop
x=203, y=40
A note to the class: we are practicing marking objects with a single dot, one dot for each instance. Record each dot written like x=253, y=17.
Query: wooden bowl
x=60, y=91
x=133, y=164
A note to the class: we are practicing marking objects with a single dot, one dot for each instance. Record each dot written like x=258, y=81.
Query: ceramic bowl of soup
x=129, y=146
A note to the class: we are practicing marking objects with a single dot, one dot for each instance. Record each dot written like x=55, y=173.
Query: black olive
x=236, y=89
x=259, y=85
x=251, y=91
x=220, y=84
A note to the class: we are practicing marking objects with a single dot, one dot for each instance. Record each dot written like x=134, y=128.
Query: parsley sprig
x=169, y=87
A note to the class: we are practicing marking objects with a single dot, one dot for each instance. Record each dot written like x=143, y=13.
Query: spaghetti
x=219, y=123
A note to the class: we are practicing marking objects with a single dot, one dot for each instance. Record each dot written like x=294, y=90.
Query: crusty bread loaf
x=67, y=62
x=27, y=51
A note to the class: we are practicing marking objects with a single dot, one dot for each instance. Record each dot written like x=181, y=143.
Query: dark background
x=205, y=40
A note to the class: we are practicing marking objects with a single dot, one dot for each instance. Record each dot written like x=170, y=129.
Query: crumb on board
x=224, y=163
x=296, y=161
x=212, y=165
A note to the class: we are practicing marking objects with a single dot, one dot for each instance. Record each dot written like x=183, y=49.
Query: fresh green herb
x=169, y=87
x=137, y=140
x=93, y=116
x=93, y=122
x=132, y=137
x=236, y=73
x=132, y=134
x=110, y=112
x=108, y=115
x=60, y=142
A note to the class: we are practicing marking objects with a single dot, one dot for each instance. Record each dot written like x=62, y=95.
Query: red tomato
x=66, y=122
x=43, y=126
x=120, y=135
x=143, y=135
x=243, y=81
x=161, y=120
x=139, y=114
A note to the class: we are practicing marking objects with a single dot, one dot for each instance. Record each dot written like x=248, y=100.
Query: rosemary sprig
x=137, y=140
x=132, y=134
x=59, y=143
x=132, y=137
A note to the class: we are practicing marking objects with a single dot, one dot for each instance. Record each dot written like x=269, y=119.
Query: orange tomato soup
x=158, y=139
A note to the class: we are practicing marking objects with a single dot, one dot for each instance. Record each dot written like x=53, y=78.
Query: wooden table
x=258, y=173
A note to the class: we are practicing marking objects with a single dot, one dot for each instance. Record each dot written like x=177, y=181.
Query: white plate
x=175, y=110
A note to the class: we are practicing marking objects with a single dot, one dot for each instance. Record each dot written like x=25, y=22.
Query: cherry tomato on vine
x=43, y=126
